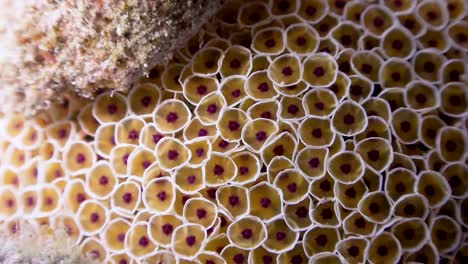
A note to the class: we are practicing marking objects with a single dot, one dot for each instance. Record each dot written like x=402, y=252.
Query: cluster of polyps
x=287, y=130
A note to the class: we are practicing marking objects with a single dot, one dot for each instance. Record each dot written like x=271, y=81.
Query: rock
x=51, y=46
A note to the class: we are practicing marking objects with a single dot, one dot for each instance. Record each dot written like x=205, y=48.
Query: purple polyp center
x=373, y=155
x=296, y=259
x=319, y=106
x=200, y=152
x=80, y=158
x=201, y=213
x=345, y=168
x=80, y=198
x=146, y=101
x=127, y=197
x=366, y=68
x=133, y=134
x=267, y=259
x=112, y=109
x=301, y=212
x=190, y=240
x=185, y=198
x=125, y=159
x=405, y=126
x=327, y=213
x=301, y=41
x=432, y=15
x=319, y=71
x=396, y=76
x=378, y=22
x=162, y=196
x=212, y=108
x=146, y=164
x=58, y=174
x=172, y=117
x=62, y=133
x=218, y=170
x=372, y=134
x=314, y=162
x=263, y=87
x=167, y=229
x=266, y=115
x=212, y=193
x=94, y=217
x=292, y=187
x=172, y=154
x=280, y=236
x=247, y=233
x=121, y=237
x=144, y=241
x=243, y=170
x=325, y=186
x=429, y=67
x=432, y=43
x=10, y=203
x=95, y=254
x=283, y=6
x=356, y=90
x=30, y=201
x=455, y=100
x=201, y=90
x=293, y=109
x=346, y=40
x=324, y=28
x=317, y=133
x=397, y=44
x=265, y=202
x=103, y=180
x=278, y=150
x=348, y=119
x=233, y=125
x=461, y=37
x=223, y=144
x=287, y=71
x=270, y=43
x=203, y=132
x=235, y=64
x=191, y=179
x=234, y=200
x=209, y=64
x=236, y=93
x=261, y=136
x=291, y=87
x=239, y=258
x=450, y=146
x=157, y=137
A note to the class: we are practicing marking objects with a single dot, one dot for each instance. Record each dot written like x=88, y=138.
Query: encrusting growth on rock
x=30, y=247
x=49, y=47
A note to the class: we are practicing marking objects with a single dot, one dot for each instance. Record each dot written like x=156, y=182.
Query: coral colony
x=287, y=131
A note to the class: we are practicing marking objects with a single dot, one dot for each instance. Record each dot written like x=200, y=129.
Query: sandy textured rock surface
x=44, y=247
x=48, y=47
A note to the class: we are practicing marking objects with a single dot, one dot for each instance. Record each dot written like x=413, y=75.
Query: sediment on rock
x=50, y=47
